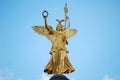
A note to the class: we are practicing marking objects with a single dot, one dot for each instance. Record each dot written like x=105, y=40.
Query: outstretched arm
x=49, y=28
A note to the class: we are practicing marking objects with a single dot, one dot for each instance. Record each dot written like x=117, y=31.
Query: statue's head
x=59, y=25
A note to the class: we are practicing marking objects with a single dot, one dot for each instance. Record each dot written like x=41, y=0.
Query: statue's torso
x=59, y=42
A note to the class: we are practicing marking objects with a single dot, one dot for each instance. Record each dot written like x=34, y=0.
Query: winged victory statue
x=59, y=62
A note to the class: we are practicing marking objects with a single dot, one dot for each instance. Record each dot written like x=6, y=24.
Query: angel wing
x=43, y=31
x=70, y=32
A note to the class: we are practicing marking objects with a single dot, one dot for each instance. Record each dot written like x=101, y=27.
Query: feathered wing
x=70, y=32
x=43, y=31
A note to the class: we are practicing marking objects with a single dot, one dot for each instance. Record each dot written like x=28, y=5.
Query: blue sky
x=94, y=51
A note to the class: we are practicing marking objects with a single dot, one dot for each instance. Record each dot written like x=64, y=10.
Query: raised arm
x=45, y=30
x=49, y=28
x=45, y=15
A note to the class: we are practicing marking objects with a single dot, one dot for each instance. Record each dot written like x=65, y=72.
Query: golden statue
x=59, y=62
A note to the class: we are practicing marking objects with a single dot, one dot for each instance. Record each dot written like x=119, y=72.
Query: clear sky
x=94, y=51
